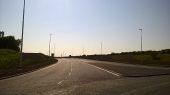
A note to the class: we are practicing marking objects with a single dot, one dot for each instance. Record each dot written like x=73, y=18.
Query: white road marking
x=60, y=82
x=69, y=74
x=110, y=72
x=71, y=69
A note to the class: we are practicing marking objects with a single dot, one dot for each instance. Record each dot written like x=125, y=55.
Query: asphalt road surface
x=85, y=77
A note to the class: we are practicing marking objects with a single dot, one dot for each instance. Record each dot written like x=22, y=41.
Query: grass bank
x=8, y=58
x=162, y=60
x=9, y=62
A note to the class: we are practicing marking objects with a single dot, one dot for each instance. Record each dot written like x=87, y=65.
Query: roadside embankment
x=10, y=62
x=160, y=60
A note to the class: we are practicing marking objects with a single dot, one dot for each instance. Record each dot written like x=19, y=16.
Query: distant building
x=1, y=33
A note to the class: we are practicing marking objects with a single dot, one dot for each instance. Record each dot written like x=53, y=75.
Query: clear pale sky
x=78, y=24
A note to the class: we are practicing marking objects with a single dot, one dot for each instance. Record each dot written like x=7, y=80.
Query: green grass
x=143, y=57
x=165, y=57
x=147, y=59
x=160, y=60
x=9, y=62
x=8, y=58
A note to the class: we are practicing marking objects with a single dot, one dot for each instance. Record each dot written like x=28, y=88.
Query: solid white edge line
x=113, y=73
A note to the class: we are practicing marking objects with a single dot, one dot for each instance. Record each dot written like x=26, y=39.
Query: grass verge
x=161, y=60
x=9, y=62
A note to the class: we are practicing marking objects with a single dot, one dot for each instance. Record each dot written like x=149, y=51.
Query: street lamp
x=101, y=46
x=83, y=51
x=22, y=34
x=141, y=46
x=141, y=39
x=50, y=48
x=50, y=45
x=54, y=50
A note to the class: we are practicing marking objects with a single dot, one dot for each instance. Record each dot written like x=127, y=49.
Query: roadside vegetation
x=10, y=58
x=152, y=58
x=9, y=42
x=10, y=62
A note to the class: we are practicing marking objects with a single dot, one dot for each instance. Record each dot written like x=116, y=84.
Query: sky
x=78, y=25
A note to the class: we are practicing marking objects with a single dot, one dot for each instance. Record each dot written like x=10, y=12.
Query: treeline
x=149, y=52
x=9, y=42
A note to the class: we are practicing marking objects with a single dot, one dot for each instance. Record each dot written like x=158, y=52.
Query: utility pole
x=21, y=55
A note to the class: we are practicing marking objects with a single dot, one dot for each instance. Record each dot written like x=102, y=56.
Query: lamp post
x=54, y=50
x=50, y=48
x=101, y=48
x=22, y=34
x=50, y=45
x=141, y=39
x=83, y=52
x=141, y=46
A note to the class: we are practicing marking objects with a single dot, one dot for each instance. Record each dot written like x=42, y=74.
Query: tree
x=9, y=42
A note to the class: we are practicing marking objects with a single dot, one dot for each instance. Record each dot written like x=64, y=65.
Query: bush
x=165, y=51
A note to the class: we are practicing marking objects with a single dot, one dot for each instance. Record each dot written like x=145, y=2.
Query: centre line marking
x=71, y=68
x=60, y=82
x=66, y=76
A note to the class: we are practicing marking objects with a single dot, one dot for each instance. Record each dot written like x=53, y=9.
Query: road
x=84, y=77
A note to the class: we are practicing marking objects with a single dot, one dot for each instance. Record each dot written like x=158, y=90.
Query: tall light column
x=83, y=51
x=141, y=46
x=54, y=50
x=141, y=39
x=101, y=48
x=50, y=45
x=22, y=34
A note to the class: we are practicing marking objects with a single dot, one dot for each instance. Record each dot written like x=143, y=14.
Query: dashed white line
x=110, y=72
x=60, y=82
x=67, y=76
x=71, y=68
